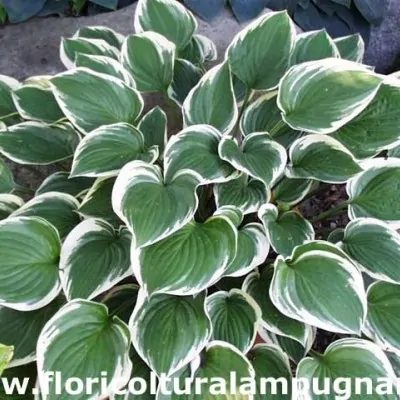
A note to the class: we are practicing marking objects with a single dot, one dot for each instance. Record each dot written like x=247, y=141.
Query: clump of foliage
x=154, y=250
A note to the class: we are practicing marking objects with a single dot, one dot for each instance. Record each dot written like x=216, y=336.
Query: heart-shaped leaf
x=382, y=324
x=285, y=231
x=107, y=149
x=252, y=250
x=95, y=250
x=258, y=156
x=235, y=317
x=38, y=143
x=61, y=182
x=375, y=246
x=319, y=270
x=8, y=204
x=350, y=359
x=258, y=286
x=106, y=100
x=199, y=254
x=157, y=317
x=322, y=158
x=311, y=46
x=266, y=42
x=22, y=329
x=104, y=65
x=166, y=17
x=351, y=47
x=71, y=47
x=196, y=148
x=322, y=96
x=57, y=208
x=6, y=354
x=212, y=101
x=83, y=334
x=6, y=178
x=269, y=361
x=247, y=195
x=97, y=202
x=375, y=129
x=199, y=50
x=36, y=103
x=30, y=249
x=186, y=77
x=263, y=116
x=374, y=193
x=141, y=196
x=101, y=32
x=150, y=58
x=154, y=129
x=291, y=191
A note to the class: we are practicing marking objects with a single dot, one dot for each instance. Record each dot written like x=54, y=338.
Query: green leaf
x=212, y=101
x=322, y=96
x=105, y=100
x=375, y=247
x=269, y=361
x=104, y=65
x=22, y=329
x=37, y=143
x=7, y=85
x=262, y=116
x=167, y=17
x=350, y=359
x=6, y=178
x=6, y=354
x=154, y=129
x=70, y=47
x=94, y=258
x=258, y=286
x=198, y=256
x=61, y=182
x=83, y=334
x=311, y=46
x=247, y=195
x=376, y=128
x=252, y=250
x=322, y=158
x=351, y=47
x=318, y=270
x=57, y=208
x=382, y=324
x=186, y=77
x=258, y=156
x=104, y=151
x=291, y=191
x=196, y=148
x=375, y=192
x=199, y=50
x=101, y=32
x=285, y=231
x=121, y=301
x=264, y=44
x=8, y=204
x=141, y=196
x=30, y=249
x=36, y=103
x=181, y=322
x=97, y=202
x=235, y=317
x=150, y=58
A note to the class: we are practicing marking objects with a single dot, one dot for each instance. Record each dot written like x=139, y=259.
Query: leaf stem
x=330, y=213
x=316, y=355
x=246, y=100
x=281, y=124
x=14, y=114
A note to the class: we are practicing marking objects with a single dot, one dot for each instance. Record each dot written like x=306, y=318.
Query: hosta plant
x=153, y=252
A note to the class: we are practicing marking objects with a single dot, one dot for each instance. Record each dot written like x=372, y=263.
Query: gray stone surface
x=384, y=47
